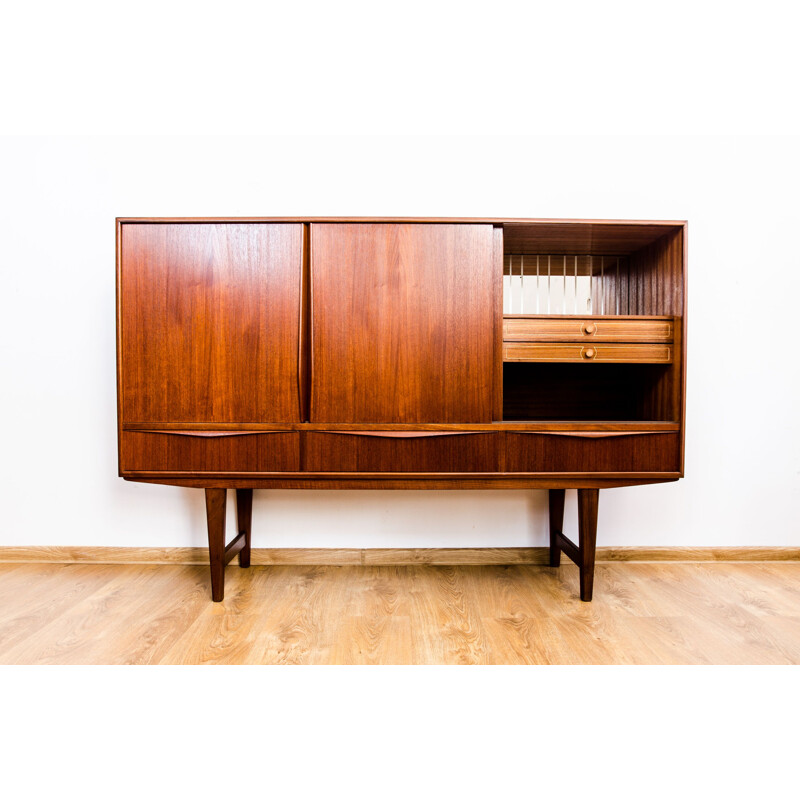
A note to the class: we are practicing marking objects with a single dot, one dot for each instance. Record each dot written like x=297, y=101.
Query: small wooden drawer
x=592, y=452
x=590, y=352
x=576, y=329
x=400, y=451
x=209, y=451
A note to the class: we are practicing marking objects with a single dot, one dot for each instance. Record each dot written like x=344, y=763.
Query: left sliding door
x=209, y=317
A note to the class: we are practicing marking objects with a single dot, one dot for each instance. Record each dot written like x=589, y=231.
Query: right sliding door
x=402, y=323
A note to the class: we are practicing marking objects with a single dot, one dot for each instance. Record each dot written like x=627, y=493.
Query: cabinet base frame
x=353, y=480
x=220, y=554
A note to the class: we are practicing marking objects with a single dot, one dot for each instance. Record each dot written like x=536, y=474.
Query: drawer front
x=543, y=452
x=575, y=329
x=589, y=352
x=210, y=452
x=400, y=452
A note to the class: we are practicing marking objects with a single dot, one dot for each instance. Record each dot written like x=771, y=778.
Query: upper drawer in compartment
x=577, y=329
x=400, y=451
x=592, y=452
x=209, y=451
x=602, y=352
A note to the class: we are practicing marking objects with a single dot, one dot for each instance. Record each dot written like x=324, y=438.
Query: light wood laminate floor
x=643, y=613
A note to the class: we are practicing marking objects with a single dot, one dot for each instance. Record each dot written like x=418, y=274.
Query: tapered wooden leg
x=587, y=530
x=556, y=498
x=244, y=518
x=583, y=554
x=215, y=513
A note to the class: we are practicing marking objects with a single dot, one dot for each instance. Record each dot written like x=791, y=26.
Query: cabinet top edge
x=430, y=220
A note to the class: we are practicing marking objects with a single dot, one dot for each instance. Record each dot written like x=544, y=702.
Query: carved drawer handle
x=589, y=353
x=206, y=434
x=403, y=434
x=589, y=328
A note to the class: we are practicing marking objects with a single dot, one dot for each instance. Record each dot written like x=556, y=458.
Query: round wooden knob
x=589, y=329
x=589, y=352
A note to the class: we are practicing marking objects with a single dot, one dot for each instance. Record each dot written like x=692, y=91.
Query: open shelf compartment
x=605, y=392
x=592, y=321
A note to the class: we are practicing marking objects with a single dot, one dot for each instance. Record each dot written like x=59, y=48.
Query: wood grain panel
x=652, y=613
x=574, y=237
x=210, y=320
x=538, y=452
x=222, y=429
x=304, y=344
x=247, y=452
x=383, y=556
x=603, y=353
x=657, y=285
x=340, y=452
x=661, y=398
x=403, y=323
x=580, y=329
x=632, y=223
x=657, y=276
x=388, y=480
x=497, y=409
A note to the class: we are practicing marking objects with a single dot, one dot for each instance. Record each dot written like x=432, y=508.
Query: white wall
x=57, y=402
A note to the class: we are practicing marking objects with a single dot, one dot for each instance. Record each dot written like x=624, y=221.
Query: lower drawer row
x=418, y=452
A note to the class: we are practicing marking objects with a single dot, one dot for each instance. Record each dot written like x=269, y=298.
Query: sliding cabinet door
x=209, y=322
x=402, y=323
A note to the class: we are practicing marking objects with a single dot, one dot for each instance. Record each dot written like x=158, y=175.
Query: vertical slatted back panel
x=658, y=287
x=657, y=277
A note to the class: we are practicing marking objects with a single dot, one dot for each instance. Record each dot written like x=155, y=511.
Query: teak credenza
x=363, y=353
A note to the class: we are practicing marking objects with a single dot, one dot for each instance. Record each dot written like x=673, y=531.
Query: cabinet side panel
x=403, y=320
x=209, y=322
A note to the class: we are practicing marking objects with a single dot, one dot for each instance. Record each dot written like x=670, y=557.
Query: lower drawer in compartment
x=196, y=451
x=390, y=451
x=544, y=452
x=591, y=352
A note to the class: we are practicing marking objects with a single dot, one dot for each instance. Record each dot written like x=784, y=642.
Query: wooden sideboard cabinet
x=328, y=353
